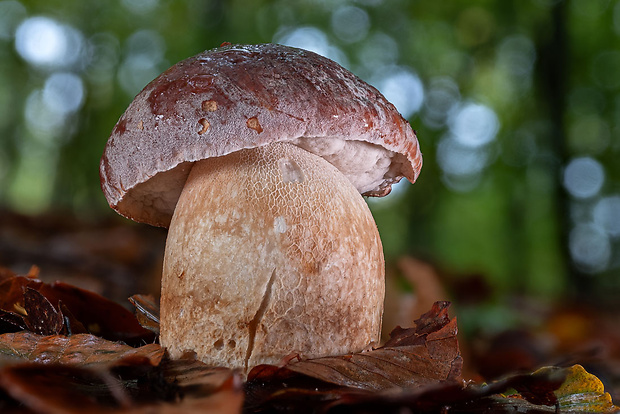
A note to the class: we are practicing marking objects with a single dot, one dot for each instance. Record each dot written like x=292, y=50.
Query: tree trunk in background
x=553, y=71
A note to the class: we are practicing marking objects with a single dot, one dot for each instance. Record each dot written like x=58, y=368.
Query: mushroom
x=256, y=157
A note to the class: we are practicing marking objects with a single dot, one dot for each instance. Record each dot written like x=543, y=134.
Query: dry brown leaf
x=194, y=374
x=147, y=312
x=426, y=282
x=226, y=401
x=41, y=316
x=83, y=349
x=11, y=322
x=537, y=395
x=72, y=325
x=95, y=313
x=200, y=389
x=51, y=388
x=73, y=389
x=415, y=357
x=84, y=373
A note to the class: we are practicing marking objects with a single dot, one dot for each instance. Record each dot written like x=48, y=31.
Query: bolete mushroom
x=255, y=156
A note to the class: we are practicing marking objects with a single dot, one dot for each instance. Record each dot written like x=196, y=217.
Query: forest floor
x=69, y=340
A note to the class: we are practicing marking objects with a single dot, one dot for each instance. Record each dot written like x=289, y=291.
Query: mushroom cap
x=245, y=96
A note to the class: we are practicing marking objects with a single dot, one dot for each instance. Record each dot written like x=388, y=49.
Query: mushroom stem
x=270, y=251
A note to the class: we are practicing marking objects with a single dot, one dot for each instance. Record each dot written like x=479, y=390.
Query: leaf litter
x=67, y=350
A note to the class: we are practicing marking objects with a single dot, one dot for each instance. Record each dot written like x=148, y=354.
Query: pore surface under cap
x=237, y=97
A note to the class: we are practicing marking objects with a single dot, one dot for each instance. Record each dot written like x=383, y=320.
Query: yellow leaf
x=583, y=392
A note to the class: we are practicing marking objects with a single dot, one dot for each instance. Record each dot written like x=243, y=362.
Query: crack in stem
x=260, y=312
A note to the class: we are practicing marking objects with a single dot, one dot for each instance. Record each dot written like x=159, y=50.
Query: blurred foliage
x=516, y=104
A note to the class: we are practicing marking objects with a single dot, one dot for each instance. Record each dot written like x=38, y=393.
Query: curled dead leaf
x=41, y=316
x=147, y=312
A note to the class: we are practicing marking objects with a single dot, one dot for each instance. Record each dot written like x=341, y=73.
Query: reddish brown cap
x=236, y=97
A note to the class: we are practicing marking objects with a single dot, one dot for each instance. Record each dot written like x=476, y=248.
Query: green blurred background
x=516, y=104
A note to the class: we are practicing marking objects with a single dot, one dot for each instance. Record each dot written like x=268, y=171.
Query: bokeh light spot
x=584, y=177
x=44, y=42
x=473, y=124
x=402, y=87
x=312, y=39
x=135, y=72
x=104, y=53
x=64, y=92
x=378, y=51
x=458, y=159
x=606, y=215
x=144, y=52
x=461, y=183
x=590, y=248
x=148, y=43
x=350, y=24
x=516, y=55
x=42, y=120
x=441, y=97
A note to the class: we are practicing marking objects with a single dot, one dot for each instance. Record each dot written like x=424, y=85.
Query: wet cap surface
x=236, y=97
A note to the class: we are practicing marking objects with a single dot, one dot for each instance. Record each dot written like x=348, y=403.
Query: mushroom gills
x=368, y=167
x=270, y=251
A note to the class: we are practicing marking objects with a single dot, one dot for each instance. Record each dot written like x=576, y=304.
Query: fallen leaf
x=11, y=322
x=193, y=374
x=96, y=314
x=426, y=354
x=228, y=400
x=147, y=312
x=538, y=387
x=41, y=317
x=5, y=274
x=543, y=391
x=427, y=284
x=50, y=388
x=82, y=349
x=583, y=392
x=54, y=388
x=421, y=358
x=123, y=380
x=72, y=325
x=417, y=370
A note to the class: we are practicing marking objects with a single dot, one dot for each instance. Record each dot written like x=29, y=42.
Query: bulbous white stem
x=270, y=251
